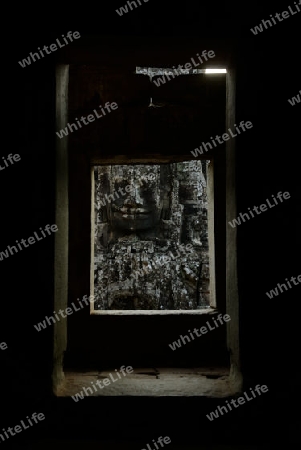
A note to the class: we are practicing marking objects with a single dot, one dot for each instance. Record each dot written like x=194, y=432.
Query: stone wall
x=151, y=243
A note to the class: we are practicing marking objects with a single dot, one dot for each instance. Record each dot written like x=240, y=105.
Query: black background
x=268, y=246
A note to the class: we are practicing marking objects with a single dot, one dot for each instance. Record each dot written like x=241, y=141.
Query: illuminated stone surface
x=151, y=237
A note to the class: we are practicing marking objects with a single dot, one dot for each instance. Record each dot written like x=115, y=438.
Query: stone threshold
x=150, y=382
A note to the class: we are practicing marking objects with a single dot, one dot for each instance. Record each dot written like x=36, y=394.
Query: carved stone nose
x=134, y=200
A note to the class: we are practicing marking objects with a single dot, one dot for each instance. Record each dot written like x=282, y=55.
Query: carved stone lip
x=132, y=211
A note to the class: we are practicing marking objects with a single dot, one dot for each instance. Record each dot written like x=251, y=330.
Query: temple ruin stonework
x=151, y=237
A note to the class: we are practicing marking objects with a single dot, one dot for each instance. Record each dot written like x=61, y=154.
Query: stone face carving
x=151, y=237
x=139, y=204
